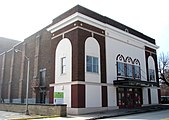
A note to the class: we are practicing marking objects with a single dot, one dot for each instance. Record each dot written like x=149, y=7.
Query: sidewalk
x=92, y=116
x=4, y=115
x=122, y=112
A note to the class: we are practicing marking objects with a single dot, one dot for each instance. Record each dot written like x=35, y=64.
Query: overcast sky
x=21, y=18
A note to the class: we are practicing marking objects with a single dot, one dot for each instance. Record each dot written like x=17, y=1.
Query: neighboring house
x=85, y=60
x=164, y=93
x=6, y=44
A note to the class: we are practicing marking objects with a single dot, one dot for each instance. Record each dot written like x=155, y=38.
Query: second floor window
x=129, y=70
x=92, y=64
x=42, y=77
x=137, y=72
x=120, y=69
x=151, y=75
x=63, y=65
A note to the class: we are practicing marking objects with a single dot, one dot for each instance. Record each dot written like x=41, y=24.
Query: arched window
x=120, y=65
x=151, y=69
x=92, y=54
x=129, y=67
x=137, y=70
x=63, y=60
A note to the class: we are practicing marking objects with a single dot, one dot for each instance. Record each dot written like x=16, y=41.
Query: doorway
x=129, y=97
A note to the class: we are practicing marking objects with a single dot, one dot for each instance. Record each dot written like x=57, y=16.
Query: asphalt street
x=158, y=115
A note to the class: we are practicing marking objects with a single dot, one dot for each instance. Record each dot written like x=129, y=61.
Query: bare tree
x=164, y=68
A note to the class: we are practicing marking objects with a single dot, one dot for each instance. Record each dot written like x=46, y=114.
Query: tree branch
x=164, y=79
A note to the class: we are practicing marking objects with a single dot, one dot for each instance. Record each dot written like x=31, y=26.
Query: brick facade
x=14, y=68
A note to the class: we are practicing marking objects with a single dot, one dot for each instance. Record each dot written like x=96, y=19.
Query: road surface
x=158, y=115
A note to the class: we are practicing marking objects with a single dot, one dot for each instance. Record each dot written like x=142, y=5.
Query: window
x=129, y=70
x=137, y=73
x=151, y=75
x=120, y=69
x=151, y=69
x=92, y=64
x=42, y=77
x=63, y=65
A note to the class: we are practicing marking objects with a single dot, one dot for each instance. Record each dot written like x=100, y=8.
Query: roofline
x=102, y=19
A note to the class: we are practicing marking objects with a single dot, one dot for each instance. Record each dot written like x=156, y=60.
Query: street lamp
x=27, y=83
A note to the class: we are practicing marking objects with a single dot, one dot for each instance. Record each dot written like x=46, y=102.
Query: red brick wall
x=164, y=90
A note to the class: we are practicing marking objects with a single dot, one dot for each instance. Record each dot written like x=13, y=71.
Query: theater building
x=85, y=60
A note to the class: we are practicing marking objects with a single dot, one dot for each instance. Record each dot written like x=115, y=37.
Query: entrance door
x=42, y=97
x=121, y=98
x=129, y=97
x=137, y=97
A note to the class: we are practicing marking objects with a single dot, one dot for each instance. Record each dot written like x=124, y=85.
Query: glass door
x=121, y=97
x=129, y=98
x=137, y=97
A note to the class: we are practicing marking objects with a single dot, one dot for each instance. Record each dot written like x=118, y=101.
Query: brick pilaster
x=36, y=64
x=2, y=74
x=20, y=96
x=11, y=77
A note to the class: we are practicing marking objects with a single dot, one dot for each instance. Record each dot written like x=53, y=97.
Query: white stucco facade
x=62, y=81
x=117, y=43
x=121, y=43
x=154, y=96
x=112, y=101
x=92, y=48
x=145, y=96
x=93, y=89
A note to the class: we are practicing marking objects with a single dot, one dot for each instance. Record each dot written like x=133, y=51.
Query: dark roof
x=103, y=19
x=6, y=44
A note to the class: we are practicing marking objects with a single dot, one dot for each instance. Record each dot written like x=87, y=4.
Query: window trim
x=149, y=75
x=63, y=66
x=92, y=64
x=135, y=71
x=130, y=72
x=121, y=70
x=41, y=71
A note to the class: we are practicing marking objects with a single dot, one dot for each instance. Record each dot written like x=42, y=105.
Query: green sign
x=58, y=95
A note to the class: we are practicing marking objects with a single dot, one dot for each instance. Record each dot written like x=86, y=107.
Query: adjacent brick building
x=94, y=62
x=7, y=44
